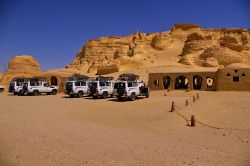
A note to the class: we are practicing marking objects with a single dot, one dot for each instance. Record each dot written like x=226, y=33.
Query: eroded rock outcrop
x=216, y=47
x=187, y=44
x=21, y=66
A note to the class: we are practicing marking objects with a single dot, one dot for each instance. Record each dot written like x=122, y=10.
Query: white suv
x=76, y=88
x=1, y=88
x=128, y=87
x=103, y=87
x=16, y=85
x=36, y=86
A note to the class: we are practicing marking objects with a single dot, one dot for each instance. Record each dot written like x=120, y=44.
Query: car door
x=45, y=88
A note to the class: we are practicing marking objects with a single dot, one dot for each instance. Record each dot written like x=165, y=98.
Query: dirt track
x=53, y=130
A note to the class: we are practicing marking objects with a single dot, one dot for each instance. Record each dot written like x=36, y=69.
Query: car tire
x=105, y=95
x=120, y=98
x=132, y=97
x=20, y=93
x=79, y=94
x=15, y=93
x=147, y=95
x=71, y=96
x=35, y=92
x=54, y=92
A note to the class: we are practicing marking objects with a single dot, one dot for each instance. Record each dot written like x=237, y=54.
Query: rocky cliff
x=20, y=66
x=186, y=44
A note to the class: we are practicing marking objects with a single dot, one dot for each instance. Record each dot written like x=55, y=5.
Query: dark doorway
x=197, y=82
x=181, y=82
x=166, y=82
x=53, y=81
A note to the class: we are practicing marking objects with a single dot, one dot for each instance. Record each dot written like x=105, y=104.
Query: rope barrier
x=214, y=127
x=176, y=109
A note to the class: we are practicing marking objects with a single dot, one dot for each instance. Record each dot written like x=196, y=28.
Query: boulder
x=107, y=69
x=161, y=42
x=21, y=66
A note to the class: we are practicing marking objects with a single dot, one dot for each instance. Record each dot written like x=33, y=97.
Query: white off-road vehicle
x=1, y=88
x=101, y=87
x=76, y=86
x=128, y=87
x=16, y=85
x=36, y=86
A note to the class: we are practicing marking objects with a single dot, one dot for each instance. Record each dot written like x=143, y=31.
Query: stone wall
x=230, y=79
x=156, y=80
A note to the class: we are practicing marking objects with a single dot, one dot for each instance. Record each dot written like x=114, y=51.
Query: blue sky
x=54, y=30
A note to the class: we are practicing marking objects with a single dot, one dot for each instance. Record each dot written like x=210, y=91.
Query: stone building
x=232, y=77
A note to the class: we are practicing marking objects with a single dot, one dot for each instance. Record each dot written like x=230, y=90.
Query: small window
x=130, y=84
x=108, y=83
x=243, y=74
x=236, y=71
x=102, y=83
x=77, y=83
x=135, y=84
x=228, y=74
x=236, y=79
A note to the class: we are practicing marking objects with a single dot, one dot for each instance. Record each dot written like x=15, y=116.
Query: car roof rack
x=102, y=78
x=19, y=79
x=77, y=77
x=34, y=79
x=128, y=77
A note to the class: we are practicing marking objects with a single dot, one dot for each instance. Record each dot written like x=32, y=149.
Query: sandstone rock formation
x=1, y=75
x=21, y=66
x=214, y=47
x=186, y=44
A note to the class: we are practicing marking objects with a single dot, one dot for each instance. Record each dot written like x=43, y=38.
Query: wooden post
x=193, y=122
x=194, y=98
x=172, y=107
x=198, y=95
x=187, y=103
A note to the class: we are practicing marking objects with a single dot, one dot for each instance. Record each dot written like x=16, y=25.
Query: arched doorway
x=166, y=82
x=53, y=81
x=210, y=82
x=181, y=82
x=197, y=82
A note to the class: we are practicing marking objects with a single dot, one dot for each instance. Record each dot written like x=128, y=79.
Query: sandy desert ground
x=54, y=130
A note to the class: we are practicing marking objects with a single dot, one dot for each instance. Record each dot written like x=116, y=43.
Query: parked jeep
x=36, y=86
x=16, y=85
x=128, y=87
x=101, y=87
x=76, y=86
x=1, y=88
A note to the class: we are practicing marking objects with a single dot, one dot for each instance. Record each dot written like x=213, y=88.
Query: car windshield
x=119, y=85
